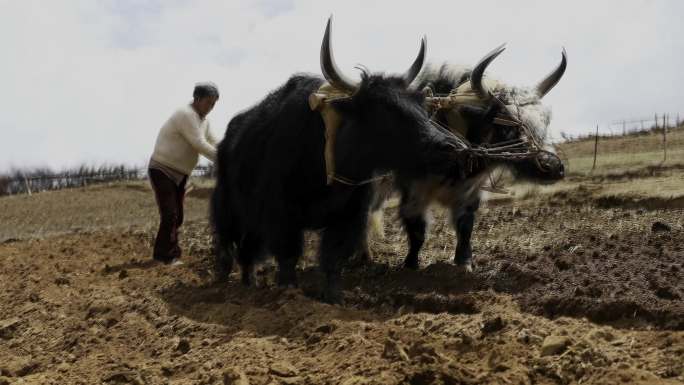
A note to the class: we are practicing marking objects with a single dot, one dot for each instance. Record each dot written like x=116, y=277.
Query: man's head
x=204, y=97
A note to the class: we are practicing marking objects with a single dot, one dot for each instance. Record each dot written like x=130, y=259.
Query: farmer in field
x=184, y=136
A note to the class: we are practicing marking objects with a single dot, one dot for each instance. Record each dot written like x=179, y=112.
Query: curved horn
x=553, y=78
x=330, y=71
x=411, y=74
x=478, y=71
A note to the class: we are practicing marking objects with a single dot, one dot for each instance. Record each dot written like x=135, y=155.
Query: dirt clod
x=492, y=325
x=553, y=345
x=325, y=329
x=394, y=351
x=124, y=377
x=183, y=346
x=356, y=380
x=283, y=369
x=660, y=227
x=8, y=327
x=234, y=376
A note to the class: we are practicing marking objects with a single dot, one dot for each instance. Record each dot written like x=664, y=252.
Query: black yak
x=271, y=177
x=489, y=114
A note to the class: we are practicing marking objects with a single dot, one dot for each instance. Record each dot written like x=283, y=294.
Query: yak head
x=383, y=122
x=491, y=114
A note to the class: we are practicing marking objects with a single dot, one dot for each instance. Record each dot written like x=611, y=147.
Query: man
x=181, y=140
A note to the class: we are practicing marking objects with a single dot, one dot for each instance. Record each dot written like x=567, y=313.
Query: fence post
x=28, y=186
x=595, y=148
x=656, y=121
x=664, y=138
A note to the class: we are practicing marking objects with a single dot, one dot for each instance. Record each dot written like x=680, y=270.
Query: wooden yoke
x=319, y=101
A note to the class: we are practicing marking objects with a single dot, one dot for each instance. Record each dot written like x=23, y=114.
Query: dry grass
x=619, y=154
x=621, y=162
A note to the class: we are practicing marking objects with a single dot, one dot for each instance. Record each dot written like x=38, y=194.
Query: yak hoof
x=288, y=283
x=249, y=276
x=331, y=296
x=286, y=277
x=360, y=259
x=223, y=266
x=220, y=277
x=467, y=266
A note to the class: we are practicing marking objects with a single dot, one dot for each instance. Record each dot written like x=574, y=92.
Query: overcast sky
x=92, y=81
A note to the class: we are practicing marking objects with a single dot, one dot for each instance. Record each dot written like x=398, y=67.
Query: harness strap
x=349, y=182
x=320, y=101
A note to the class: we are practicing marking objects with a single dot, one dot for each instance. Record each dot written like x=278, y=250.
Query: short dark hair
x=205, y=89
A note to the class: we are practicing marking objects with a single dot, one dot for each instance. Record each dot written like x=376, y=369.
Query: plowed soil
x=563, y=292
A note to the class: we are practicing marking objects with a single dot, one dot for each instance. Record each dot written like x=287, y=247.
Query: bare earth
x=582, y=283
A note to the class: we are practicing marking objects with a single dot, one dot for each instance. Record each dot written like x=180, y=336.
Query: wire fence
x=37, y=180
x=627, y=143
x=657, y=123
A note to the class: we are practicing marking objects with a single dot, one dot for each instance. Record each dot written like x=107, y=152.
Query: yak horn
x=417, y=65
x=330, y=70
x=553, y=78
x=476, y=75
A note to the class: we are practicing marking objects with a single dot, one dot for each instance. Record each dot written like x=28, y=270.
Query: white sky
x=92, y=81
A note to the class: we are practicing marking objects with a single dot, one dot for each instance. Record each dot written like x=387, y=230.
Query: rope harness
x=320, y=101
x=525, y=147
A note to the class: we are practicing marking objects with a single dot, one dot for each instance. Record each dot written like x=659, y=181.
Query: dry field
x=580, y=282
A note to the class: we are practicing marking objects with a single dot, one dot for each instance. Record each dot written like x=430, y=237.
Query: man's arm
x=192, y=132
x=210, y=136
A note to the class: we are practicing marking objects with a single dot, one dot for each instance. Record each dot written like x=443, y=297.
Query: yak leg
x=381, y=191
x=412, y=212
x=224, y=237
x=223, y=258
x=463, y=219
x=248, y=253
x=364, y=255
x=375, y=229
x=415, y=228
x=287, y=251
x=338, y=243
x=224, y=252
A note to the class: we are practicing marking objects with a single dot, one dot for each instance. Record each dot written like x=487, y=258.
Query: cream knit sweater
x=182, y=138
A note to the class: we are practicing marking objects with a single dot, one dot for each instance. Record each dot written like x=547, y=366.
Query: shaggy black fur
x=271, y=173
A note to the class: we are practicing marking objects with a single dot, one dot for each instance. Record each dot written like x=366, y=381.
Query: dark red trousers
x=169, y=198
